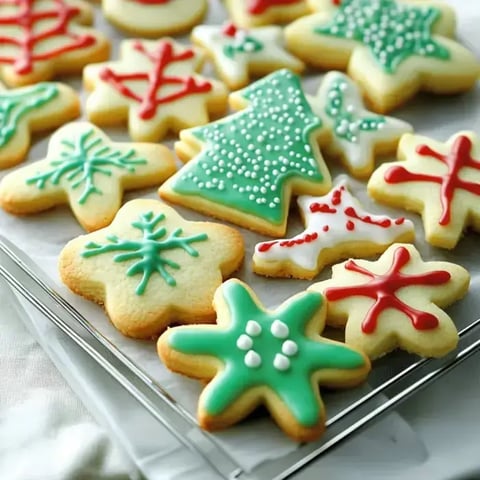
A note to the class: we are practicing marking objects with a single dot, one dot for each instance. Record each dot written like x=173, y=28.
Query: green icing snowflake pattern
x=147, y=250
x=82, y=159
x=261, y=348
x=393, y=32
x=15, y=104
x=249, y=156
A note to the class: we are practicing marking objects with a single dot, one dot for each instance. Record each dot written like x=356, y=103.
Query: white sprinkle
x=279, y=329
x=281, y=362
x=253, y=328
x=252, y=359
x=244, y=342
x=289, y=347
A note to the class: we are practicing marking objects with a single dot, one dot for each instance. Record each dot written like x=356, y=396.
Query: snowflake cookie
x=440, y=181
x=395, y=302
x=154, y=87
x=255, y=356
x=245, y=167
x=40, y=38
x=392, y=48
x=355, y=135
x=154, y=18
x=147, y=262
x=238, y=53
x=88, y=171
x=336, y=227
x=254, y=13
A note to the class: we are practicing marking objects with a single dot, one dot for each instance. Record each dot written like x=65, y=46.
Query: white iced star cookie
x=355, y=135
x=154, y=18
x=154, y=88
x=239, y=53
x=85, y=169
x=395, y=302
x=336, y=227
x=441, y=181
x=144, y=265
x=392, y=48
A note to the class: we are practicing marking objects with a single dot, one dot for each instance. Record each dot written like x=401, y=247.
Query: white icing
x=289, y=347
x=281, y=362
x=279, y=329
x=253, y=328
x=252, y=359
x=244, y=342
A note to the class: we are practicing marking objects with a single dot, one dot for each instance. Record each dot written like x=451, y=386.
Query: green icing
x=249, y=157
x=392, y=31
x=248, y=44
x=82, y=158
x=147, y=250
x=15, y=104
x=347, y=124
x=290, y=378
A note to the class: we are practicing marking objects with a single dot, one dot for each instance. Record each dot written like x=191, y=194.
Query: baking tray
x=29, y=250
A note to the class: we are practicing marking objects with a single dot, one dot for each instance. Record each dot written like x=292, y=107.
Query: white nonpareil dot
x=252, y=359
x=289, y=347
x=281, y=362
x=253, y=328
x=279, y=329
x=244, y=342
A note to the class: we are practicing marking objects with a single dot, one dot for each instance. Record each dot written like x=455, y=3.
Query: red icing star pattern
x=161, y=58
x=458, y=158
x=29, y=42
x=383, y=288
x=257, y=7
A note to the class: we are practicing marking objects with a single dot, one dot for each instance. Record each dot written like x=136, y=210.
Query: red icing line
x=337, y=2
x=156, y=78
x=459, y=157
x=307, y=238
x=27, y=19
x=322, y=208
x=382, y=289
x=257, y=7
x=229, y=29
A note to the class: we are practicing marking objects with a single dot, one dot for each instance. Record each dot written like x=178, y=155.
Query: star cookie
x=147, y=262
x=245, y=167
x=395, y=302
x=356, y=134
x=154, y=87
x=439, y=181
x=238, y=53
x=392, y=48
x=42, y=38
x=255, y=356
x=88, y=171
x=336, y=226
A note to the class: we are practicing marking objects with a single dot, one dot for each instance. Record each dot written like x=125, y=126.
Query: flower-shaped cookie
x=395, y=302
x=151, y=267
x=255, y=356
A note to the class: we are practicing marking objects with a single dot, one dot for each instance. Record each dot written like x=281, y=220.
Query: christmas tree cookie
x=144, y=265
x=255, y=356
x=245, y=167
x=336, y=226
x=439, y=181
x=392, y=48
x=84, y=168
x=32, y=109
x=154, y=88
x=39, y=39
x=395, y=302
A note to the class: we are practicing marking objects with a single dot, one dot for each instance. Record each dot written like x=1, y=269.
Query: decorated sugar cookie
x=238, y=53
x=144, y=265
x=336, y=226
x=84, y=168
x=154, y=88
x=42, y=38
x=252, y=13
x=394, y=302
x=245, y=167
x=154, y=18
x=356, y=134
x=392, y=48
x=439, y=181
x=255, y=356
x=32, y=109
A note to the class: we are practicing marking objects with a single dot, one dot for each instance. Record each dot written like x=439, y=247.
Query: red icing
x=322, y=208
x=458, y=158
x=27, y=18
x=257, y=7
x=307, y=238
x=229, y=29
x=337, y=2
x=162, y=57
x=382, y=289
